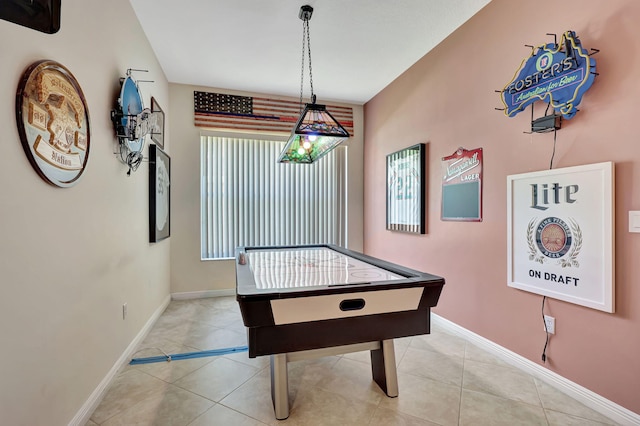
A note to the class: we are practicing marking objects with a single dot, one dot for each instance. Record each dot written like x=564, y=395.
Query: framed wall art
x=157, y=131
x=560, y=226
x=406, y=190
x=462, y=186
x=53, y=122
x=159, y=194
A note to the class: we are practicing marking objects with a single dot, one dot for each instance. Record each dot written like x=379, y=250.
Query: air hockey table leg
x=280, y=386
x=383, y=368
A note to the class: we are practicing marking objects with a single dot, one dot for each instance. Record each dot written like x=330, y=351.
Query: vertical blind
x=248, y=199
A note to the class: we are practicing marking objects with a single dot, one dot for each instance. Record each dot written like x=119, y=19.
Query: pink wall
x=447, y=100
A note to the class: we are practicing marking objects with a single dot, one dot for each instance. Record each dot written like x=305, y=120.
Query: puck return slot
x=352, y=304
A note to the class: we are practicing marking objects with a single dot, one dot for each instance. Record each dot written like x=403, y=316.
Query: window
x=248, y=199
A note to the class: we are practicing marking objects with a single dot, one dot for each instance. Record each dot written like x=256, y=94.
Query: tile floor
x=443, y=380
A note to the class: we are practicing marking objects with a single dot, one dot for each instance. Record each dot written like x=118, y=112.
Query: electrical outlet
x=124, y=311
x=550, y=324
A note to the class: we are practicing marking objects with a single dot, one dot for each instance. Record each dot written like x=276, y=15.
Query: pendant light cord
x=306, y=45
x=306, y=24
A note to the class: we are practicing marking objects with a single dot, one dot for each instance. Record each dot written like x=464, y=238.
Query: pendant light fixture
x=316, y=132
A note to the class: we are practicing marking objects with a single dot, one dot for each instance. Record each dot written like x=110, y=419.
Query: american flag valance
x=221, y=111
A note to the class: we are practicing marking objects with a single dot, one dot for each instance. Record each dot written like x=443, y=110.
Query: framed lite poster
x=159, y=194
x=405, y=190
x=560, y=240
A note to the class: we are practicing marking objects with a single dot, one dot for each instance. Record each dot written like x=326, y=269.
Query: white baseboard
x=82, y=417
x=203, y=294
x=591, y=399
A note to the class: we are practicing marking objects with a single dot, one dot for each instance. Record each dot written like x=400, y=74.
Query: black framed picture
x=40, y=15
x=406, y=190
x=157, y=132
x=159, y=194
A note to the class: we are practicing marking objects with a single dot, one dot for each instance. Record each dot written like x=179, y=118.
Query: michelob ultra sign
x=558, y=74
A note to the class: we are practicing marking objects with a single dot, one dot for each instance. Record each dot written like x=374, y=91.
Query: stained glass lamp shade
x=315, y=134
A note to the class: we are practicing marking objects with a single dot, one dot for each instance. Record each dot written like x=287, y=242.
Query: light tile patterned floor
x=443, y=380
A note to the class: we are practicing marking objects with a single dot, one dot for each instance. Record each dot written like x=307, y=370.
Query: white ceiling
x=358, y=47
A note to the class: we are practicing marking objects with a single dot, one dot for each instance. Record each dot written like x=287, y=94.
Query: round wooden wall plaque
x=53, y=122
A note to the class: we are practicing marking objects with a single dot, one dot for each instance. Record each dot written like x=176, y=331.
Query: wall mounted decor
x=159, y=194
x=157, y=131
x=132, y=122
x=462, y=186
x=556, y=73
x=53, y=122
x=254, y=114
x=40, y=15
x=560, y=234
x=406, y=190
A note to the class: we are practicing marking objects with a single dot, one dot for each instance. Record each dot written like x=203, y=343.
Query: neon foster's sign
x=558, y=74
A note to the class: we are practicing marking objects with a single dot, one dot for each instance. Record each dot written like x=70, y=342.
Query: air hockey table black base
x=374, y=314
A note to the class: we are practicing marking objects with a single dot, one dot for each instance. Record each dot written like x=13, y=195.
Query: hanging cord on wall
x=553, y=153
x=544, y=298
x=133, y=159
x=544, y=351
x=555, y=135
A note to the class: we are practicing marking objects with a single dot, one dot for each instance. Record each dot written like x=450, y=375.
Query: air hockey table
x=301, y=302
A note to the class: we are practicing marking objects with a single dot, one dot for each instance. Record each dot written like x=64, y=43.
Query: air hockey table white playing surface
x=287, y=285
x=311, y=266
